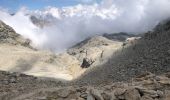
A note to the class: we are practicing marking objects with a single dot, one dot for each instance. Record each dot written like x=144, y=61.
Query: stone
x=132, y=94
x=96, y=94
x=119, y=93
x=113, y=97
x=160, y=93
x=106, y=96
x=41, y=98
x=145, y=97
x=79, y=98
x=165, y=82
x=52, y=95
x=87, y=63
x=167, y=94
x=90, y=97
x=83, y=95
x=63, y=93
x=151, y=93
x=12, y=80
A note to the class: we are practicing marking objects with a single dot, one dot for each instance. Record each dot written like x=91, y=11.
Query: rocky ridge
x=8, y=35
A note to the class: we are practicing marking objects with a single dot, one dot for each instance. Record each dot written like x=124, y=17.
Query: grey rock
x=132, y=94
x=96, y=94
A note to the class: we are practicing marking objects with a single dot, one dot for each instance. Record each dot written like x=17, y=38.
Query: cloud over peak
x=69, y=25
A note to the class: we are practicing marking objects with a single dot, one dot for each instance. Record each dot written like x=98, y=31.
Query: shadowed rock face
x=8, y=35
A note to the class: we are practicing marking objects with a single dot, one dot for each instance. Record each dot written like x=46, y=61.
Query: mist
x=82, y=21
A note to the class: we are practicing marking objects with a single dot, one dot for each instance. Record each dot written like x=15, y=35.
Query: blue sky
x=14, y=5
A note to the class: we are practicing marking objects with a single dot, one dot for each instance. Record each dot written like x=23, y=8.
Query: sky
x=14, y=5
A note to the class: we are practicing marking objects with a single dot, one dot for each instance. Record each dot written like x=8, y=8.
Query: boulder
x=132, y=94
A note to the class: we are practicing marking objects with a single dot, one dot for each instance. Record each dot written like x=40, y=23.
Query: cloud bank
x=69, y=25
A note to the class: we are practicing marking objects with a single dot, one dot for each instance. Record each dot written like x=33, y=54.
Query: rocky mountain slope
x=148, y=54
x=16, y=55
x=134, y=69
x=19, y=56
x=8, y=35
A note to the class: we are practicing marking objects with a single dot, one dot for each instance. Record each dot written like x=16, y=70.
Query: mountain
x=147, y=54
x=94, y=51
x=17, y=55
x=68, y=65
x=8, y=35
x=135, y=68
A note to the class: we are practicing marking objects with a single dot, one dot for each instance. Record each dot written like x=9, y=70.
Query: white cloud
x=78, y=22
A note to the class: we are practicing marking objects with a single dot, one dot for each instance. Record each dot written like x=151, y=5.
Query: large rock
x=132, y=94
x=96, y=94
